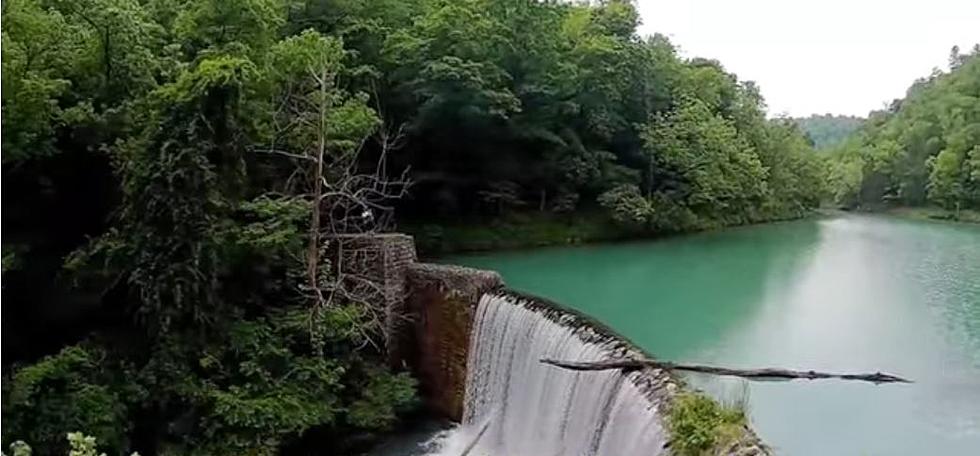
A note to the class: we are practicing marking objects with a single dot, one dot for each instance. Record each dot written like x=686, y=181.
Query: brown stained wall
x=441, y=301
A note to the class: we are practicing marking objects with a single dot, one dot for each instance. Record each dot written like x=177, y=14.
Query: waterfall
x=528, y=408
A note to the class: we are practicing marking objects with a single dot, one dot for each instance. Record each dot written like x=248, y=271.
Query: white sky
x=819, y=56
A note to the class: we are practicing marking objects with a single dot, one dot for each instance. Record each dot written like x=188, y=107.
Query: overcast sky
x=819, y=56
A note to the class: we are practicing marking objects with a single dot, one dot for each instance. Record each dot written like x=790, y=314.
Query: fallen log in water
x=751, y=374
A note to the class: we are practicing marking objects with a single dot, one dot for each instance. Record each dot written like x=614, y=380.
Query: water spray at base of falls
x=524, y=407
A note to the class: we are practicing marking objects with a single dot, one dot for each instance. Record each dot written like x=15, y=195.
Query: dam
x=529, y=408
x=476, y=346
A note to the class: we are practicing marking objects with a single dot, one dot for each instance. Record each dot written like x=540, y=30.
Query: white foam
x=535, y=409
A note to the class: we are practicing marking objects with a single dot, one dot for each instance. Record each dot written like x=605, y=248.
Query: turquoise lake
x=850, y=293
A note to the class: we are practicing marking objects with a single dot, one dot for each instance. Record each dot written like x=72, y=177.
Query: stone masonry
x=442, y=300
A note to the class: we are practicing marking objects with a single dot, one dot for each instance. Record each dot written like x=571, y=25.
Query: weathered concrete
x=441, y=302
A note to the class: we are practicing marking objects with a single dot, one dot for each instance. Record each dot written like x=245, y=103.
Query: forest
x=923, y=150
x=171, y=168
x=827, y=130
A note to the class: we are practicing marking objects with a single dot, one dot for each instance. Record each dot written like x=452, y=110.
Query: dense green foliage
x=828, y=130
x=79, y=445
x=155, y=226
x=924, y=150
x=72, y=387
x=517, y=230
x=936, y=213
x=204, y=340
x=698, y=425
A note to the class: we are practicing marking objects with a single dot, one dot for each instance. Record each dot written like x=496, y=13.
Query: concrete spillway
x=523, y=407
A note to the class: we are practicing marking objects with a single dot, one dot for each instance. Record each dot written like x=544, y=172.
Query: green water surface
x=849, y=293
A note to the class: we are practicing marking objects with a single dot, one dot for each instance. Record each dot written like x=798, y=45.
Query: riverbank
x=515, y=231
x=534, y=229
x=935, y=213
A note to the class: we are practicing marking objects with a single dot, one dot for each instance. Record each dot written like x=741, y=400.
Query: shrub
x=70, y=390
x=698, y=424
x=79, y=444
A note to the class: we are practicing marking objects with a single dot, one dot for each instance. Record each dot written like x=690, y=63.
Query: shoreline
x=933, y=214
x=527, y=232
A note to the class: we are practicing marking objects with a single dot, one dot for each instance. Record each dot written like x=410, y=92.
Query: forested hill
x=170, y=165
x=506, y=106
x=925, y=149
x=826, y=130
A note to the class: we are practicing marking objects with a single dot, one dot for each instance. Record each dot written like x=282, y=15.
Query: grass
x=699, y=425
x=935, y=213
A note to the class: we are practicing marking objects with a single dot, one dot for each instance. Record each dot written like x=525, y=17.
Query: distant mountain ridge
x=828, y=130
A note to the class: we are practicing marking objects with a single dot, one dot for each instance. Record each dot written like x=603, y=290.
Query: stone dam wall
x=441, y=301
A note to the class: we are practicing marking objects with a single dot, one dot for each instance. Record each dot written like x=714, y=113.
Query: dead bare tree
x=355, y=201
x=323, y=132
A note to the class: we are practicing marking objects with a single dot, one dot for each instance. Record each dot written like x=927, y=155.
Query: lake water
x=851, y=293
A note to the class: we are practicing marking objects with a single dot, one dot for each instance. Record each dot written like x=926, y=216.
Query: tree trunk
x=751, y=374
x=650, y=179
x=313, y=250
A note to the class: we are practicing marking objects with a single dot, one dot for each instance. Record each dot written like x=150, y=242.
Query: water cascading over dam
x=475, y=348
x=524, y=407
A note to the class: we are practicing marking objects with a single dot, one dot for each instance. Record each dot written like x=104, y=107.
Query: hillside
x=925, y=149
x=827, y=130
